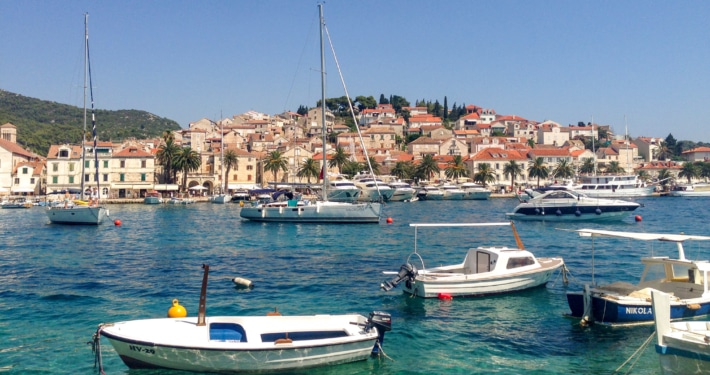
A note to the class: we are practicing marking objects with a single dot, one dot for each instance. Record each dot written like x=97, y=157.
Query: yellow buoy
x=177, y=311
x=241, y=203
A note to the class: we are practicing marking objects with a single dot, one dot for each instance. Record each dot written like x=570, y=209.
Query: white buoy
x=242, y=282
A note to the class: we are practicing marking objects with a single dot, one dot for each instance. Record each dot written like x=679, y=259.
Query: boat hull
x=572, y=213
x=152, y=200
x=682, y=360
x=221, y=199
x=319, y=212
x=79, y=215
x=632, y=311
x=476, y=195
x=618, y=193
x=472, y=286
x=372, y=195
x=402, y=195
x=180, y=344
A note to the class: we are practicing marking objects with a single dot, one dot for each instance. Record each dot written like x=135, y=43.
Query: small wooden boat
x=17, y=203
x=484, y=271
x=244, y=343
x=153, y=197
x=683, y=347
x=622, y=303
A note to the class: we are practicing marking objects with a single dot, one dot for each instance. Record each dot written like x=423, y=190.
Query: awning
x=241, y=186
x=22, y=189
x=142, y=186
x=165, y=187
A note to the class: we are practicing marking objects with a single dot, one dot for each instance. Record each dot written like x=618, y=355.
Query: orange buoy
x=177, y=311
x=389, y=220
x=117, y=222
x=445, y=296
x=638, y=218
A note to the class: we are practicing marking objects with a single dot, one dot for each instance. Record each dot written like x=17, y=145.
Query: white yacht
x=452, y=192
x=613, y=186
x=475, y=191
x=342, y=189
x=372, y=189
x=403, y=192
x=430, y=193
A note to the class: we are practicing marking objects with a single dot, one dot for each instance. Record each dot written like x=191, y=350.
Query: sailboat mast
x=593, y=152
x=322, y=102
x=86, y=74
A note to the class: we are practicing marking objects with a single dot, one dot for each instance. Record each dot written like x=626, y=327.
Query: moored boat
x=153, y=197
x=623, y=303
x=564, y=205
x=430, y=193
x=613, y=186
x=683, y=347
x=243, y=343
x=690, y=190
x=485, y=270
x=403, y=192
x=452, y=192
x=474, y=191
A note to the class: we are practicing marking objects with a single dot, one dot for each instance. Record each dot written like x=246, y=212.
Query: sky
x=637, y=65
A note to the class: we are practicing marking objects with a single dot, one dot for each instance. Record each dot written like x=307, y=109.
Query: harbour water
x=60, y=282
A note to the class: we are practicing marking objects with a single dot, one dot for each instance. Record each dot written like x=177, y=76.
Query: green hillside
x=42, y=123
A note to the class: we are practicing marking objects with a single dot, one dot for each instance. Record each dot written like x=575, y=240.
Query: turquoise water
x=60, y=282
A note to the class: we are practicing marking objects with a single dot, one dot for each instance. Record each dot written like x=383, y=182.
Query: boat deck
x=680, y=290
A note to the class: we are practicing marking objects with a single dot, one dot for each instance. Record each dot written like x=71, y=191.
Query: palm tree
x=484, y=175
x=230, y=161
x=374, y=164
x=705, y=170
x=531, y=143
x=563, y=170
x=428, y=167
x=351, y=168
x=643, y=175
x=614, y=168
x=456, y=168
x=339, y=158
x=403, y=170
x=587, y=166
x=689, y=171
x=309, y=168
x=512, y=169
x=186, y=161
x=663, y=152
x=166, y=157
x=538, y=169
x=664, y=177
x=274, y=162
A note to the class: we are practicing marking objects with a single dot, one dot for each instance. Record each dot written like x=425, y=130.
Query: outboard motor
x=406, y=271
x=383, y=322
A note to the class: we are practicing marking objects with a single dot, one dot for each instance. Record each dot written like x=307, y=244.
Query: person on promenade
x=67, y=198
x=94, y=197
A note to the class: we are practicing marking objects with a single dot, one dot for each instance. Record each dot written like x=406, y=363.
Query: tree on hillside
x=363, y=102
x=383, y=100
x=309, y=168
x=338, y=159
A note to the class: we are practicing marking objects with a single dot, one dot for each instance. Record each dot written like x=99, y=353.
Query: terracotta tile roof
x=697, y=149
x=16, y=149
x=132, y=152
x=492, y=153
x=426, y=141
x=538, y=152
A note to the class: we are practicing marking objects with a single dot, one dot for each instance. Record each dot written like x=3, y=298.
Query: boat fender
x=558, y=212
x=177, y=311
x=598, y=211
x=578, y=213
x=241, y=282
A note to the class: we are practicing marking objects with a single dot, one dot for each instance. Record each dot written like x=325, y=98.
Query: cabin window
x=231, y=332
x=483, y=262
x=518, y=262
x=301, y=336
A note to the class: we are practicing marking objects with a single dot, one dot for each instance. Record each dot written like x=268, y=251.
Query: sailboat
x=80, y=212
x=222, y=197
x=320, y=211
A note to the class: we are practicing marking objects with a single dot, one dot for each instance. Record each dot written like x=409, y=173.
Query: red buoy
x=117, y=222
x=389, y=220
x=445, y=296
x=638, y=218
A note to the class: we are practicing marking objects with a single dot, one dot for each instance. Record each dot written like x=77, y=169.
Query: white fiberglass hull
x=673, y=193
x=318, y=212
x=476, y=195
x=222, y=198
x=241, y=344
x=603, y=192
x=77, y=215
x=401, y=195
x=372, y=195
x=431, y=284
x=344, y=195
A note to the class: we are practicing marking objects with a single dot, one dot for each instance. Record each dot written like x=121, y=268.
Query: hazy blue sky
x=564, y=61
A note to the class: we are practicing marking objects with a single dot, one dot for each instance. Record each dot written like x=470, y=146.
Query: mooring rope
x=636, y=354
x=96, y=349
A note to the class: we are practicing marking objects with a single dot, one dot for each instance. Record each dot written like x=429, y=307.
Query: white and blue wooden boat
x=236, y=344
x=486, y=270
x=623, y=303
x=683, y=347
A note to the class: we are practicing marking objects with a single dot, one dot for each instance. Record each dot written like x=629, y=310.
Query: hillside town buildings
x=129, y=169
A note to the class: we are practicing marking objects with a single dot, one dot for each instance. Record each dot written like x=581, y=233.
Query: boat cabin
x=499, y=259
x=688, y=279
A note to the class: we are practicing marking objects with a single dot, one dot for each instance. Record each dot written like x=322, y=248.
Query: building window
x=63, y=153
x=54, y=179
x=122, y=177
x=250, y=167
x=105, y=163
x=234, y=177
x=32, y=180
x=24, y=170
x=17, y=180
x=71, y=179
x=71, y=167
x=87, y=164
x=105, y=177
x=123, y=164
x=86, y=177
x=55, y=167
x=249, y=178
x=143, y=163
x=142, y=176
